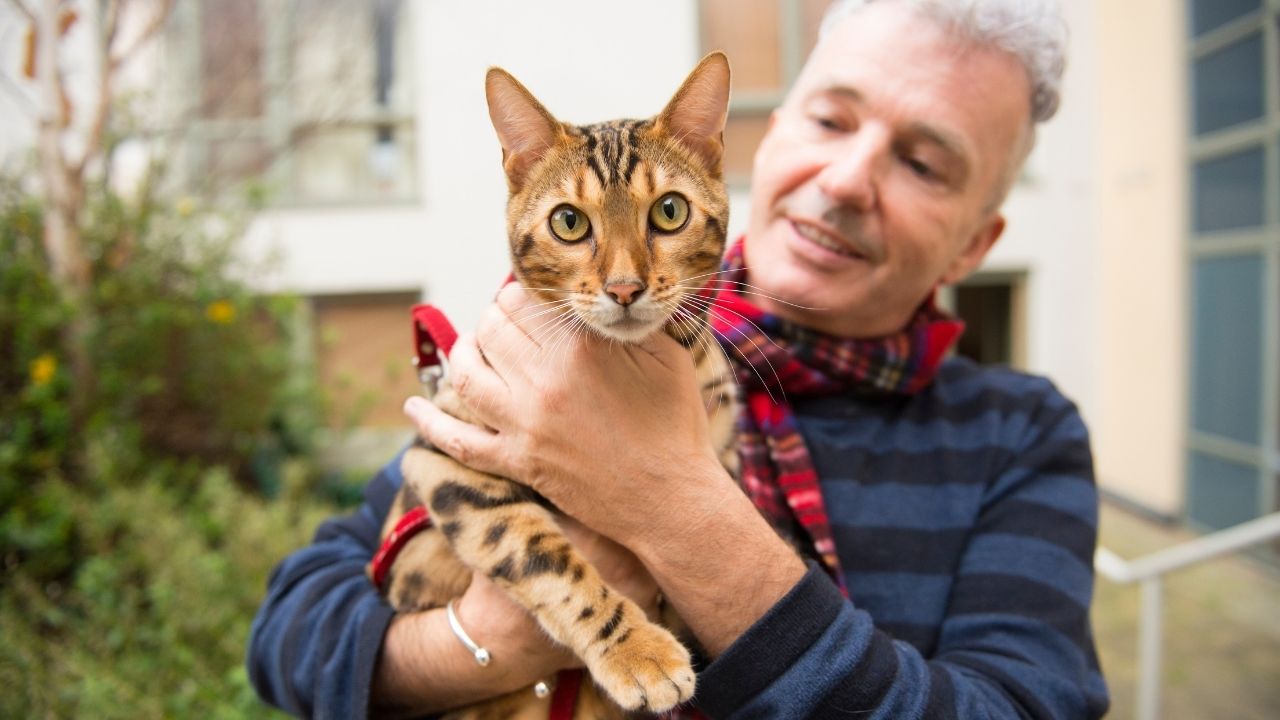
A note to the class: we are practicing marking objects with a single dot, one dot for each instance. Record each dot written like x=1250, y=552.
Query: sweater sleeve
x=316, y=639
x=1015, y=641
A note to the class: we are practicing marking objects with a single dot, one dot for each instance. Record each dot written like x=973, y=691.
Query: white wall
x=586, y=61
x=1052, y=230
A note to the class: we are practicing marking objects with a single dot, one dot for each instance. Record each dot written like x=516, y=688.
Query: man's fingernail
x=414, y=407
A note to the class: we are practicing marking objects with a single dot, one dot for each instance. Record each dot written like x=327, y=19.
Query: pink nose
x=624, y=293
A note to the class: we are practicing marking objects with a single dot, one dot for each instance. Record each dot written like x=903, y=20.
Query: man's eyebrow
x=948, y=141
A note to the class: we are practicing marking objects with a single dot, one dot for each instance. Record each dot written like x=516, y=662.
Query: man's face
x=879, y=176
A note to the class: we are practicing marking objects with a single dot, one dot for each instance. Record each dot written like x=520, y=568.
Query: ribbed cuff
x=772, y=645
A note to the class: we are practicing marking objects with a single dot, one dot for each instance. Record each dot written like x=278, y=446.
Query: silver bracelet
x=481, y=655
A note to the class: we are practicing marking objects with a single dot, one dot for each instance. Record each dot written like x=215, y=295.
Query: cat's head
x=619, y=221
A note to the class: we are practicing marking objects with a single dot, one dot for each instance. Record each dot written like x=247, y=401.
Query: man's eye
x=826, y=123
x=919, y=167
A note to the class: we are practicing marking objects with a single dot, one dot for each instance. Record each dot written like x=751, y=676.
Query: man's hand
x=602, y=429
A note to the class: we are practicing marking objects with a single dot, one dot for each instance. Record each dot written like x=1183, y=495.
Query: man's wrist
x=717, y=560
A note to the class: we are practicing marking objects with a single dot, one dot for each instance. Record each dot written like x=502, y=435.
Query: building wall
x=1140, y=191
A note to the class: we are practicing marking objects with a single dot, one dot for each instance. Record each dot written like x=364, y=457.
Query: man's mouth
x=824, y=240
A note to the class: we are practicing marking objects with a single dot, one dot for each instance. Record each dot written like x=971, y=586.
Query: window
x=1234, y=261
x=767, y=42
x=310, y=97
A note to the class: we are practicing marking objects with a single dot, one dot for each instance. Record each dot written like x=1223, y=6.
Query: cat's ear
x=696, y=113
x=525, y=128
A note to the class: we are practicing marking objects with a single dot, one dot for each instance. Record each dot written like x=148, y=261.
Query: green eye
x=669, y=213
x=569, y=224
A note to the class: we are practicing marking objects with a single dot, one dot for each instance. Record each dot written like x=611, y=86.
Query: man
x=953, y=506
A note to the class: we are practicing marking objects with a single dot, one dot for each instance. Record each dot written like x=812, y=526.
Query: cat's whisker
x=710, y=305
x=753, y=290
x=713, y=272
x=715, y=309
x=708, y=338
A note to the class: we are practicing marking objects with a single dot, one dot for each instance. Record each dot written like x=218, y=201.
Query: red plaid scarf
x=776, y=360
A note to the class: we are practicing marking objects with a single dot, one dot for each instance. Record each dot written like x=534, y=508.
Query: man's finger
x=473, y=446
x=480, y=387
x=502, y=341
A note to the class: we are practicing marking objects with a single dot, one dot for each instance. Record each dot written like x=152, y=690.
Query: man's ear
x=977, y=247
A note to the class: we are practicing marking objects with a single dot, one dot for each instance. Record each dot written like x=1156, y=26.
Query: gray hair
x=1032, y=31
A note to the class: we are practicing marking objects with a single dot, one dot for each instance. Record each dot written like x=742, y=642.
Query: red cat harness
x=433, y=339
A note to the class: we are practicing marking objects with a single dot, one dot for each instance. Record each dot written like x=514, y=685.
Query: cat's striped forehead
x=611, y=147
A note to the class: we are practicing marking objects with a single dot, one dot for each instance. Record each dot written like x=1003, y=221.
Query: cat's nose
x=624, y=293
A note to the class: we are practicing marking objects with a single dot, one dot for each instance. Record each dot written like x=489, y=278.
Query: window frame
x=277, y=127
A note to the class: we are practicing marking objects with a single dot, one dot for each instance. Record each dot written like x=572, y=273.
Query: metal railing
x=1150, y=570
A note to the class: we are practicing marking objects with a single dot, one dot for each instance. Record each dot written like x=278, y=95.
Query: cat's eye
x=669, y=213
x=569, y=224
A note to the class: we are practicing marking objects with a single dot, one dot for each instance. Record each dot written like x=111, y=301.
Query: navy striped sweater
x=965, y=518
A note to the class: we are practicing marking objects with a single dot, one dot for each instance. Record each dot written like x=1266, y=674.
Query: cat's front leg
x=499, y=528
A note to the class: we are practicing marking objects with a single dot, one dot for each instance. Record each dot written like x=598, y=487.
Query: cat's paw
x=646, y=669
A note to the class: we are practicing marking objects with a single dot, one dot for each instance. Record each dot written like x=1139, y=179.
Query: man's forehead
x=961, y=94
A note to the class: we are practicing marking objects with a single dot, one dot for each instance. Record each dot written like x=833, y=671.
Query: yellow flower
x=221, y=312
x=43, y=369
x=185, y=206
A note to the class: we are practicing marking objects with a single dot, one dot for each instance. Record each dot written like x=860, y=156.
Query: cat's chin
x=628, y=330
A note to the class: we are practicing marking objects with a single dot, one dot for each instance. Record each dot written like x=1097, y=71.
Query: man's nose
x=854, y=176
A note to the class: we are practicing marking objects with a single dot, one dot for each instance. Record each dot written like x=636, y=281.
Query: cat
x=617, y=223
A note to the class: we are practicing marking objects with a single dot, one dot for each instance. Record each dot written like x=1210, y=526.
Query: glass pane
x=348, y=58
x=747, y=30
x=1228, y=86
x=353, y=163
x=231, y=161
x=1228, y=192
x=1227, y=347
x=1221, y=493
x=1207, y=15
x=231, y=50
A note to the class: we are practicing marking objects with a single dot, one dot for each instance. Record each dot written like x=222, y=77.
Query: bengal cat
x=616, y=225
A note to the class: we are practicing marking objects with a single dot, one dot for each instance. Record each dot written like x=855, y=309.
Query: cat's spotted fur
x=624, y=277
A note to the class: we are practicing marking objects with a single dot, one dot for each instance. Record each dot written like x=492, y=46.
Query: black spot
x=613, y=623
x=495, y=533
x=451, y=529
x=586, y=613
x=451, y=495
x=539, y=562
x=504, y=570
x=413, y=585
x=526, y=245
x=578, y=572
x=411, y=498
x=623, y=637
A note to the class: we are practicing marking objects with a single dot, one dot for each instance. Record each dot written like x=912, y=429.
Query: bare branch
x=153, y=26
x=21, y=7
x=110, y=26
x=106, y=71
